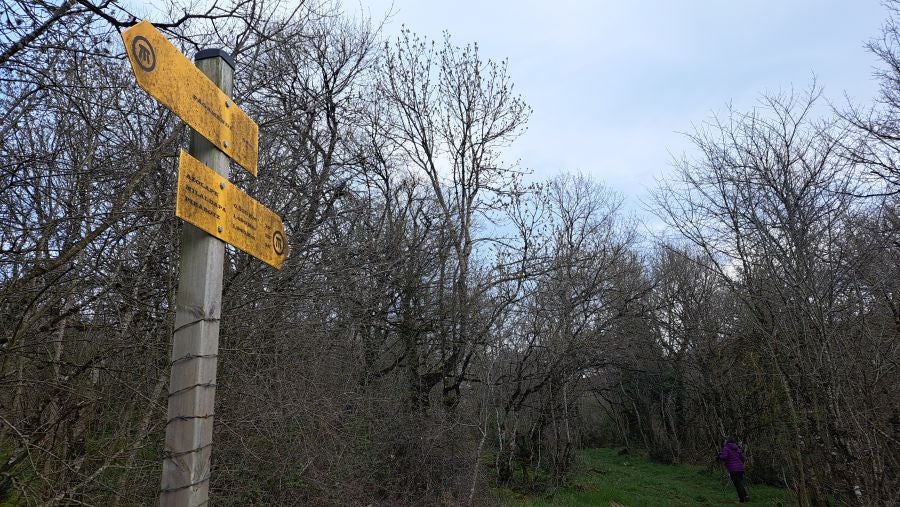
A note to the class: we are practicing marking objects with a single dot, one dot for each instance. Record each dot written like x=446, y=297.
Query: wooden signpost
x=214, y=210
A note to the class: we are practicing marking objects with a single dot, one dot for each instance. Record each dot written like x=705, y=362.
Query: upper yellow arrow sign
x=172, y=79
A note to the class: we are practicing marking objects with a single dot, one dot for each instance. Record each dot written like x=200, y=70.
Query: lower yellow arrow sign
x=212, y=203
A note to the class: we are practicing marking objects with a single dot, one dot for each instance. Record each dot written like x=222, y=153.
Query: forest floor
x=603, y=477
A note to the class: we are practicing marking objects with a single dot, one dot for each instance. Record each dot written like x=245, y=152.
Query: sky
x=615, y=84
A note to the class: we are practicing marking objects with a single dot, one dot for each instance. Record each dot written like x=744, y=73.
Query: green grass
x=601, y=477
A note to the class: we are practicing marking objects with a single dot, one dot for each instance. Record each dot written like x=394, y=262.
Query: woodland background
x=440, y=326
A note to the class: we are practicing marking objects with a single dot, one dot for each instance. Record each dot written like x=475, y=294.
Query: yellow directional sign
x=209, y=201
x=167, y=75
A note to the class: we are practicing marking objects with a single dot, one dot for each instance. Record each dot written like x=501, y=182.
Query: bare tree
x=770, y=204
x=452, y=112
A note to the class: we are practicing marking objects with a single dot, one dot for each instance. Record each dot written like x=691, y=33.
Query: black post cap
x=214, y=52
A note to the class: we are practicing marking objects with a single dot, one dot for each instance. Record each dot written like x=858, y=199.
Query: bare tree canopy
x=444, y=325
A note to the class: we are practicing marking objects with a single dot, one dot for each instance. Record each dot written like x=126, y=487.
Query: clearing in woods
x=602, y=477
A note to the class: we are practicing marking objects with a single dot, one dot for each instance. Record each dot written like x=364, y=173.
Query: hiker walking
x=733, y=457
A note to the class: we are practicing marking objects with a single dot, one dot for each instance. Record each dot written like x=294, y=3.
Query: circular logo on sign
x=278, y=242
x=143, y=54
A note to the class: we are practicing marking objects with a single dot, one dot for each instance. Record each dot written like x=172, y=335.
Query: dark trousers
x=738, y=479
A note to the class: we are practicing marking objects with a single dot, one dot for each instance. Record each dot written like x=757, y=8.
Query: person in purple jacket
x=733, y=457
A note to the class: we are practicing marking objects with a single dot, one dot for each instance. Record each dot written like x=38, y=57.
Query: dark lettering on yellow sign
x=244, y=232
x=193, y=179
x=245, y=222
x=214, y=114
x=245, y=211
x=210, y=202
x=202, y=208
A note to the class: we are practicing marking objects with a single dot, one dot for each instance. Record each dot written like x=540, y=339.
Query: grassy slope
x=603, y=477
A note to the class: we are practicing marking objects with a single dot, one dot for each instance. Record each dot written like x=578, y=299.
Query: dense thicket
x=440, y=326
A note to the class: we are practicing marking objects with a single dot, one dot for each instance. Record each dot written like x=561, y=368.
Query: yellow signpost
x=167, y=75
x=206, y=199
x=213, y=204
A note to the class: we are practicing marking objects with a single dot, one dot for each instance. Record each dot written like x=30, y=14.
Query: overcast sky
x=612, y=83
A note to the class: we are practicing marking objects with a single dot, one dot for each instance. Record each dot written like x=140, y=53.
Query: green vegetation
x=603, y=477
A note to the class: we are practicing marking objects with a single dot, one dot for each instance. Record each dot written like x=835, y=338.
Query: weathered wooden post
x=195, y=344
